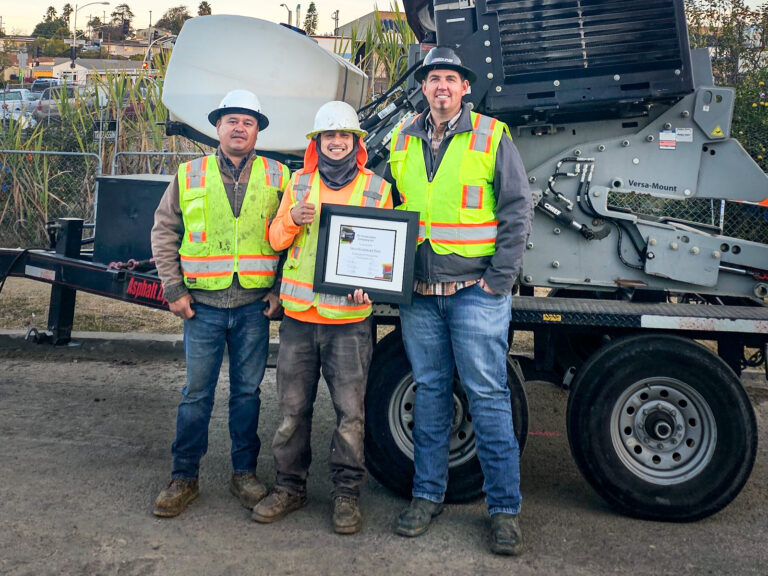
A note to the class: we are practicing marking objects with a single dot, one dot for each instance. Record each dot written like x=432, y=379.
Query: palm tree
x=122, y=12
x=66, y=12
x=204, y=9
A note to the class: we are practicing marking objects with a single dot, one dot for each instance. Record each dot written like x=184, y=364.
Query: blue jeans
x=244, y=331
x=469, y=329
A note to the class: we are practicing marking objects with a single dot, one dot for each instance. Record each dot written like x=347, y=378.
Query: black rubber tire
x=635, y=381
x=386, y=460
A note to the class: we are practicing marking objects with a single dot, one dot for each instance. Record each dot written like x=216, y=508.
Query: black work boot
x=347, y=518
x=173, y=499
x=248, y=489
x=506, y=537
x=278, y=504
x=414, y=520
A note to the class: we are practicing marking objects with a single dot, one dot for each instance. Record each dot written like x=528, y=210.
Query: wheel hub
x=663, y=430
x=661, y=424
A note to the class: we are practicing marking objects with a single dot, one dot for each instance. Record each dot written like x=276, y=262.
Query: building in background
x=388, y=22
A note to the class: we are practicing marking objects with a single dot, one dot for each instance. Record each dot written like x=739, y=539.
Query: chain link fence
x=150, y=162
x=736, y=219
x=39, y=186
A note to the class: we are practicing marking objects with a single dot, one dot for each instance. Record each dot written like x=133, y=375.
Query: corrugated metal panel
x=585, y=38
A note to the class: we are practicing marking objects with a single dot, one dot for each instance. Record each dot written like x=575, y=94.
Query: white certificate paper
x=366, y=253
x=362, y=256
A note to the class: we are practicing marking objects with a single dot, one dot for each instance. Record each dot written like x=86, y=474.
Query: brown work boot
x=173, y=499
x=248, y=489
x=347, y=518
x=278, y=504
x=506, y=537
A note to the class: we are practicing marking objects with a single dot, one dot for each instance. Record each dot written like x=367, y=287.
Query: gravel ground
x=86, y=448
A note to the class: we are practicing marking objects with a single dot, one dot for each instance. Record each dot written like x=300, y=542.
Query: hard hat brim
x=360, y=133
x=422, y=72
x=262, y=120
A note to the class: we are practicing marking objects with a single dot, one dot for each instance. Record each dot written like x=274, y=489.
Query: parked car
x=24, y=118
x=41, y=84
x=17, y=104
x=17, y=99
x=47, y=105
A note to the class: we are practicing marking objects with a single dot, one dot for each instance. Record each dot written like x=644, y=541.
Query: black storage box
x=125, y=212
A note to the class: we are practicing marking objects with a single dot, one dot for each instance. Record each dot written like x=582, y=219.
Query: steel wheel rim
x=462, y=446
x=663, y=430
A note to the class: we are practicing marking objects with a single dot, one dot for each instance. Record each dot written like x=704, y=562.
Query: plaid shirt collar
x=234, y=170
x=436, y=134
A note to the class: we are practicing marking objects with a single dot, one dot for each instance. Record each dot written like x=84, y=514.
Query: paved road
x=84, y=447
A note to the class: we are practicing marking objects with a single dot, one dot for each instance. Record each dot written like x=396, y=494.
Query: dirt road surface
x=85, y=448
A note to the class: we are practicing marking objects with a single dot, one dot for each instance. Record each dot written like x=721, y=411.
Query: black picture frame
x=340, y=225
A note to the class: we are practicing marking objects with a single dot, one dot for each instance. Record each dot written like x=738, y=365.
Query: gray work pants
x=343, y=352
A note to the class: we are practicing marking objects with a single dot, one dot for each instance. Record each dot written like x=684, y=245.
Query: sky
x=21, y=16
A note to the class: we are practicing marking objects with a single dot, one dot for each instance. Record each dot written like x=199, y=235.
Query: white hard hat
x=334, y=116
x=239, y=102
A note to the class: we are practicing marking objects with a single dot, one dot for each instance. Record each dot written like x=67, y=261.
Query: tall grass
x=36, y=187
x=382, y=54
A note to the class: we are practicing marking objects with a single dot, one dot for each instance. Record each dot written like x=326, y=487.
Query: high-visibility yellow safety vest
x=457, y=209
x=297, y=288
x=217, y=245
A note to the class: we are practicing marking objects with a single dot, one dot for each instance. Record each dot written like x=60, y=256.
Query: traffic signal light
x=126, y=27
x=38, y=52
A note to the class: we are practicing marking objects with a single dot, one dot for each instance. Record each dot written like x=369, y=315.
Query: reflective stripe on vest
x=197, y=236
x=463, y=233
x=482, y=133
x=402, y=140
x=372, y=198
x=297, y=291
x=273, y=172
x=302, y=187
x=257, y=265
x=196, y=172
x=472, y=197
x=207, y=266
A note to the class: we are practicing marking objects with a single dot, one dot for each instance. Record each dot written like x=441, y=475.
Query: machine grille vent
x=584, y=38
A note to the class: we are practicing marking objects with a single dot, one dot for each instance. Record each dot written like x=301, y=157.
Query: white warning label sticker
x=667, y=140
x=36, y=272
x=684, y=134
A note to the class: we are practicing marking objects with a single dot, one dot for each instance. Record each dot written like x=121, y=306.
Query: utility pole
x=335, y=18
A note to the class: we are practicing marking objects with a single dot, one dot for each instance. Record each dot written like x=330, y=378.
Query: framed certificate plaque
x=369, y=248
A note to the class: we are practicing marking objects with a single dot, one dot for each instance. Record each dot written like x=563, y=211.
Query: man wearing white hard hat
x=322, y=331
x=218, y=271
